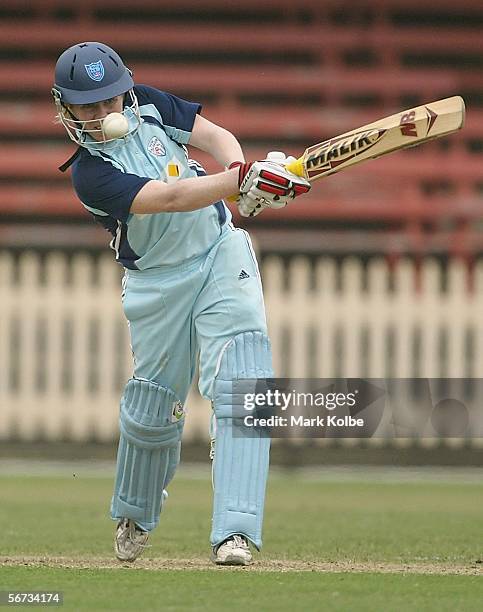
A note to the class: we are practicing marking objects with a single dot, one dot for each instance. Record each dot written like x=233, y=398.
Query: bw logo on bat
x=337, y=151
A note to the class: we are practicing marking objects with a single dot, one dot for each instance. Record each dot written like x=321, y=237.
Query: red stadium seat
x=279, y=75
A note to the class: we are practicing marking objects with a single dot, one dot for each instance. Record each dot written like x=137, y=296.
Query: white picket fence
x=64, y=348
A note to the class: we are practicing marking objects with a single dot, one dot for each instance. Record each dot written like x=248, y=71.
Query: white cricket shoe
x=233, y=551
x=130, y=540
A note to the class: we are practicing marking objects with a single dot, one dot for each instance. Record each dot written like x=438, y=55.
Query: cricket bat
x=405, y=129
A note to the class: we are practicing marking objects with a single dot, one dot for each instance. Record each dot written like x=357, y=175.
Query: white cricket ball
x=115, y=125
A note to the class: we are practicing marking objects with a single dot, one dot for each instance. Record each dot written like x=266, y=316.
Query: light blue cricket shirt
x=108, y=178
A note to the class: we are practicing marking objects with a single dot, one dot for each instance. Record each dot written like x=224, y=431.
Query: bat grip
x=296, y=167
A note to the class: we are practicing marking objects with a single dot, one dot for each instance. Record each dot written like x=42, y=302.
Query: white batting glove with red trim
x=267, y=183
x=280, y=158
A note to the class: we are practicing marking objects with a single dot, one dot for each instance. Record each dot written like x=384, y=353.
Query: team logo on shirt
x=95, y=70
x=156, y=147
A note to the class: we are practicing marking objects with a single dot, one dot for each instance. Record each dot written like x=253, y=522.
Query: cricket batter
x=191, y=288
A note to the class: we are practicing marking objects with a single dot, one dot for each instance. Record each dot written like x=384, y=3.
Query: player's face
x=96, y=110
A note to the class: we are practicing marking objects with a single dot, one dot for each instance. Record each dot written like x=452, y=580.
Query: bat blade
x=399, y=131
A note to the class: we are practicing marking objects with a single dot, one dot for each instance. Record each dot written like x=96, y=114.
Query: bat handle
x=296, y=167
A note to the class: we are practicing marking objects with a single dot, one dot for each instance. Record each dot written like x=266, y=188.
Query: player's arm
x=260, y=181
x=186, y=195
x=215, y=140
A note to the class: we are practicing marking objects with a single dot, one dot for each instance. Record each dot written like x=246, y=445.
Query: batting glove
x=266, y=184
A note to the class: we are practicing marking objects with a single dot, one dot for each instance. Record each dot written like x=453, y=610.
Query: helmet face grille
x=90, y=133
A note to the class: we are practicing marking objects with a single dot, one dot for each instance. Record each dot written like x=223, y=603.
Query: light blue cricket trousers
x=176, y=313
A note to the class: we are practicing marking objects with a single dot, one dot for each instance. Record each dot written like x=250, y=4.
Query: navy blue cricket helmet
x=90, y=72
x=87, y=73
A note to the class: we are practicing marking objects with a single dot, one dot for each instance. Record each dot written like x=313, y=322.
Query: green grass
x=127, y=589
x=367, y=521
x=431, y=523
